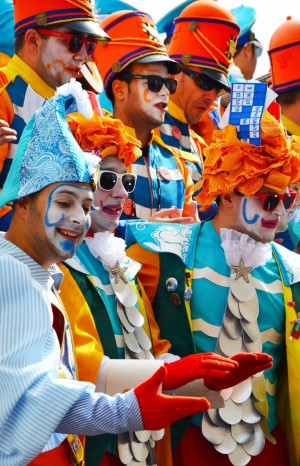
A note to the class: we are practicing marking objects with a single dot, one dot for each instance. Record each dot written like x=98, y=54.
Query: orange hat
x=134, y=39
x=205, y=35
x=231, y=164
x=284, y=52
x=104, y=136
x=76, y=14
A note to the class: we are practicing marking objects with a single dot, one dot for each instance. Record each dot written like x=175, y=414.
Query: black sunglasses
x=107, y=180
x=202, y=80
x=154, y=82
x=269, y=201
x=74, y=43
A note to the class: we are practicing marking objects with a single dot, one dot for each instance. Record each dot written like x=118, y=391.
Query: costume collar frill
x=181, y=240
x=240, y=428
x=110, y=251
x=17, y=67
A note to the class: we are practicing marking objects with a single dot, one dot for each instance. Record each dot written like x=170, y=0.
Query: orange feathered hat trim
x=104, y=135
x=231, y=164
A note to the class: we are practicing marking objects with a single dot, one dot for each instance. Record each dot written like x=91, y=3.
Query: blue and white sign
x=246, y=109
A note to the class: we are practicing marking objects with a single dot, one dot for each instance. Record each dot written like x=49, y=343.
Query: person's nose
x=78, y=216
x=119, y=190
x=81, y=55
x=280, y=210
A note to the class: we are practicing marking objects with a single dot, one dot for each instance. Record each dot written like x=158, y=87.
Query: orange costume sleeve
x=6, y=114
x=160, y=346
x=149, y=273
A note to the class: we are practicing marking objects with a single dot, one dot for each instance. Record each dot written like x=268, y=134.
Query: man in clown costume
x=43, y=407
x=53, y=40
x=111, y=318
x=233, y=289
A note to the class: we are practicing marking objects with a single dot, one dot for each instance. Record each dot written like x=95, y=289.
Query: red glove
x=249, y=364
x=197, y=366
x=159, y=410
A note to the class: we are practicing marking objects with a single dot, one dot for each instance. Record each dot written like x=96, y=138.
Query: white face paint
x=59, y=217
x=256, y=222
x=57, y=64
x=143, y=104
x=109, y=204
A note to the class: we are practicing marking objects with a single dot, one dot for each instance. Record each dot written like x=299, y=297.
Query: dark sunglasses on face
x=269, y=201
x=107, y=180
x=202, y=80
x=154, y=82
x=74, y=43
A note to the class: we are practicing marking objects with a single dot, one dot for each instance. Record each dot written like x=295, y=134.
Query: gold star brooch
x=242, y=271
x=119, y=273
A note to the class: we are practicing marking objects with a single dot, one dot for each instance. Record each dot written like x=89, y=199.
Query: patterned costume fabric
x=163, y=180
x=22, y=92
x=97, y=321
x=175, y=132
x=169, y=251
x=30, y=359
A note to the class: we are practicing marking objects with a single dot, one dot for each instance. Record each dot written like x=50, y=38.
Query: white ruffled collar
x=107, y=248
x=239, y=246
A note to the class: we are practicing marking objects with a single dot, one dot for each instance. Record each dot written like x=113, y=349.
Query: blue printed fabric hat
x=245, y=16
x=47, y=152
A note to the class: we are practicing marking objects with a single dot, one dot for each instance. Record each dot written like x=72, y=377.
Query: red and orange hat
x=231, y=164
x=104, y=136
x=76, y=14
x=284, y=52
x=205, y=35
x=134, y=38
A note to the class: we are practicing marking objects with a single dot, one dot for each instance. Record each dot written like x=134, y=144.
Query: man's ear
x=22, y=206
x=119, y=89
x=227, y=199
x=32, y=40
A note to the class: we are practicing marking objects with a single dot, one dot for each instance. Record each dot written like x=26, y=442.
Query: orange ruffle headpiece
x=231, y=164
x=104, y=135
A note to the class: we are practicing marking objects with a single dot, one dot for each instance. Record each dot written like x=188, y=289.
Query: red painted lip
x=162, y=106
x=271, y=224
x=113, y=210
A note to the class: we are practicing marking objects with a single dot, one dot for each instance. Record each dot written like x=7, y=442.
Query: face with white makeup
x=53, y=222
x=109, y=204
x=246, y=215
x=135, y=104
x=50, y=56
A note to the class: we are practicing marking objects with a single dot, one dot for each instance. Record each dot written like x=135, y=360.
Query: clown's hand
x=248, y=365
x=197, y=366
x=159, y=410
